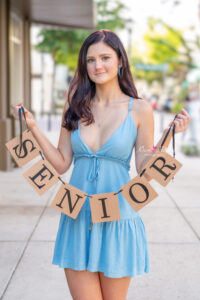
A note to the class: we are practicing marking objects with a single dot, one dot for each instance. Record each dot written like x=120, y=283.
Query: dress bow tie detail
x=94, y=171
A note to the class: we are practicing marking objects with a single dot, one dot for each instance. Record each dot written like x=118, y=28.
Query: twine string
x=20, y=112
x=163, y=142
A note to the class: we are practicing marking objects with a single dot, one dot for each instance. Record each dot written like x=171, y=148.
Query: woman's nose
x=98, y=64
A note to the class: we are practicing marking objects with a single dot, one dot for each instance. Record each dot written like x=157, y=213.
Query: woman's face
x=102, y=63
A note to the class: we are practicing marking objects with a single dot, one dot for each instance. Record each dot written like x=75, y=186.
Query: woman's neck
x=108, y=92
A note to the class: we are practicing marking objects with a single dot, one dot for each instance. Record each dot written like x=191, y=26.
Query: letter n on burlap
x=69, y=200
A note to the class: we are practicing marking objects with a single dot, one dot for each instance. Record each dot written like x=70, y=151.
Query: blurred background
x=39, y=46
x=40, y=42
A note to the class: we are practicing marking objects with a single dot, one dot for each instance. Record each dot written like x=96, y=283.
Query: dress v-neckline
x=108, y=140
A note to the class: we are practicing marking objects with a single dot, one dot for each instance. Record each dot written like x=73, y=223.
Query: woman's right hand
x=29, y=116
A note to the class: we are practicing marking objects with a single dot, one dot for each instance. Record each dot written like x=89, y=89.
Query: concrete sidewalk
x=28, y=227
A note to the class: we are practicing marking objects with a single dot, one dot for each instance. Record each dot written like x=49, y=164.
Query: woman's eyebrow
x=89, y=56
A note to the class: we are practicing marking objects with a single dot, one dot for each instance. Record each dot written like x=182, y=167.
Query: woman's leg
x=114, y=288
x=83, y=285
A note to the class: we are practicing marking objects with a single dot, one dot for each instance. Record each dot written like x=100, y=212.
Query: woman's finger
x=181, y=116
x=182, y=119
x=185, y=113
x=17, y=108
x=16, y=112
x=180, y=126
x=19, y=104
x=185, y=118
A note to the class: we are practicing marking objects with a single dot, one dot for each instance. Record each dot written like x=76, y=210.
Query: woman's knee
x=114, y=288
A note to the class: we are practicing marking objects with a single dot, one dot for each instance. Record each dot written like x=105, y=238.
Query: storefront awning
x=63, y=13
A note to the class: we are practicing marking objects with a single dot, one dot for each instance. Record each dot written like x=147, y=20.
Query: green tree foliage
x=109, y=14
x=166, y=45
x=63, y=45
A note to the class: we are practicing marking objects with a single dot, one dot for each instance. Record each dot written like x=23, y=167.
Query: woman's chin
x=101, y=80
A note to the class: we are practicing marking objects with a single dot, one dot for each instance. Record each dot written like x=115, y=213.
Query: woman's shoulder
x=142, y=106
x=141, y=109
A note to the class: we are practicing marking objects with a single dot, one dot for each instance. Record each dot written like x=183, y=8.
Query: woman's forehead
x=98, y=49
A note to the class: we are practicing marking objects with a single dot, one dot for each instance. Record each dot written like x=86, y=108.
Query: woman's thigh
x=114, y=288
x=83, y=285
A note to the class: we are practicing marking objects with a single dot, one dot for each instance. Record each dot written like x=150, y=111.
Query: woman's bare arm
x=60, y=157
x=145, y=138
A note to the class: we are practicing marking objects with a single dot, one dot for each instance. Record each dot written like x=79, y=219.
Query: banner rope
x=163, y=142
x=20, y=124
x=22, y=114
x=173, y=136
x=21, y=111
x=41, y=154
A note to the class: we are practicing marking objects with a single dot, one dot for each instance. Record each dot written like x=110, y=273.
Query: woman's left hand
x=181, y=122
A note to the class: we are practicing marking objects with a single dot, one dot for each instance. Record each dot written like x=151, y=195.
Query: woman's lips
x=100, y=73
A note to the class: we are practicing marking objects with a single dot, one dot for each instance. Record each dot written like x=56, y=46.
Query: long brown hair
x=82, y=89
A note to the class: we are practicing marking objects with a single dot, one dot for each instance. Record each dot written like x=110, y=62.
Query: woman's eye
x=90, y=60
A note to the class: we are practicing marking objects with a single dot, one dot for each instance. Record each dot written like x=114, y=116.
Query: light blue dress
x=117, y=248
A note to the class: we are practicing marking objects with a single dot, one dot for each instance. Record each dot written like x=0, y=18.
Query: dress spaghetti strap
x=130, y=103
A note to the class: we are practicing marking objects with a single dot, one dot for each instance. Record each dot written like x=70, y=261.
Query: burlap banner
x=69, y=200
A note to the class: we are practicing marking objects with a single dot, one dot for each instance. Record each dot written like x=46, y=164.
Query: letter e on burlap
x=42, y=176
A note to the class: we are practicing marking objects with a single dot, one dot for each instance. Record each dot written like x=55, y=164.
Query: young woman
x=103, y=121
